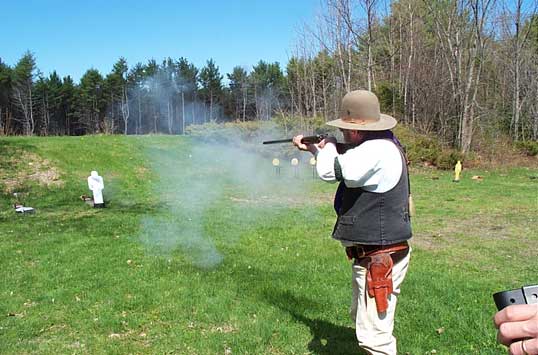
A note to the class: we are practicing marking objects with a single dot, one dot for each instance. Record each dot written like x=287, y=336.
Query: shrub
x=297, y=124
x=388, y=95
x=422, y=149
x=448, y=158
x=528, y=147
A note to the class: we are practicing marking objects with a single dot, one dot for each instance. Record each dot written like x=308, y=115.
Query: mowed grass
x=195, y=256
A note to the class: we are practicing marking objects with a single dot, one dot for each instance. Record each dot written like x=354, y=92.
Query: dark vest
x=375, y=218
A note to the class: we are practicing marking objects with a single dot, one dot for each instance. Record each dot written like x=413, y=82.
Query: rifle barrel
x=278, y=141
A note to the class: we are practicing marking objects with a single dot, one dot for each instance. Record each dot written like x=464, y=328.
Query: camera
x=523, y=295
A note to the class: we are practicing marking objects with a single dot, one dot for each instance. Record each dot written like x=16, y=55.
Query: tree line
x=458, y=69
x=146, y=98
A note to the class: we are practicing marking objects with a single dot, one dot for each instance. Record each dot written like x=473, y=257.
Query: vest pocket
x=344, y=227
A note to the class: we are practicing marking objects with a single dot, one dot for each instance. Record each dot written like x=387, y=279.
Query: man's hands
x=312, y=148
x=518, y=328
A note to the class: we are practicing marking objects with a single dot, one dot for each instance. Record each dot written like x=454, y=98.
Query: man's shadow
x=327, y=338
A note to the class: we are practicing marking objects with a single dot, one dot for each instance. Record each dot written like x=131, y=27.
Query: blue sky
x=73, y=36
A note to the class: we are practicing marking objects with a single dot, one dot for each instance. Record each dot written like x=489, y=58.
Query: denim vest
x=374, y=218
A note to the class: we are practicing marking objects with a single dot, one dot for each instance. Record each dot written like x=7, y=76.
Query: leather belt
x=360, y=251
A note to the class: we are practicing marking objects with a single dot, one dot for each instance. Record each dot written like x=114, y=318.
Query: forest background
x=465, y=71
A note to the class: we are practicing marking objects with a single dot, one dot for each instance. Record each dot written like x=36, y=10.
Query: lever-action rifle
x=340, y=147
x=306, y=140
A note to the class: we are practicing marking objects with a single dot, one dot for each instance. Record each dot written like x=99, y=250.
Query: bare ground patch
x=25, y=166
x=519, y=232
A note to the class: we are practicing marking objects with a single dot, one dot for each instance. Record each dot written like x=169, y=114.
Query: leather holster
x=378, y=269
x=379, y=280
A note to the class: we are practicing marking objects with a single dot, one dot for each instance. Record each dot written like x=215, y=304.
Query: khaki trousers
x=373, y=330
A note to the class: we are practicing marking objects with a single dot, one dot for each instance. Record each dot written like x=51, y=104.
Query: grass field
x=205, y=250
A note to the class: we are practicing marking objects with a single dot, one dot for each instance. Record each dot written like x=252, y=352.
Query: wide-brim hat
x=360, y=111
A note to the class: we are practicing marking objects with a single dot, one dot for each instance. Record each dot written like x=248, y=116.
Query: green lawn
x=205, y=250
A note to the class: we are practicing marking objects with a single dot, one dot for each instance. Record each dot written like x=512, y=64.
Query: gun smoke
x=202, y=188
x=211, y=193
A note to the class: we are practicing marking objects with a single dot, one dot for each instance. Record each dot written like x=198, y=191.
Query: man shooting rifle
x=372, y=204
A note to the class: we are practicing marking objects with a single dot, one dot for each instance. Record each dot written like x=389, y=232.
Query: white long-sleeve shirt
x=375, y=165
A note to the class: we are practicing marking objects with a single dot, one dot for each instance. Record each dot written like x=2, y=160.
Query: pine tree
x=24, y=75
x=5, y=95
x=211, y=91
x=239, y=91
x=69, y=107
x=268, y=81
x=188, y=88
x=136, y=82
x=92, y=101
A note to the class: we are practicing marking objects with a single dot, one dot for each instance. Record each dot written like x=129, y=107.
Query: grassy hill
x=205, y=249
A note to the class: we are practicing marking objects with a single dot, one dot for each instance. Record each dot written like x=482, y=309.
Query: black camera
x=524, y=295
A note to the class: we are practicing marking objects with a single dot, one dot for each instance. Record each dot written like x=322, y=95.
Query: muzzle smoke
x=211, y=193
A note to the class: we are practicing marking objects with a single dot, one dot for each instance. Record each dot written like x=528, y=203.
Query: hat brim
x=385, y=122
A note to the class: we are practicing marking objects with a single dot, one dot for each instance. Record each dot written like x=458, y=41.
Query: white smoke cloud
x=195, y=179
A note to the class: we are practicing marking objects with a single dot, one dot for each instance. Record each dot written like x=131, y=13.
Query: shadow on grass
x=15, y=144
x=128, y=206
x=327, y=338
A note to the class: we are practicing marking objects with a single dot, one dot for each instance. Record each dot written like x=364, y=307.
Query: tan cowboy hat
x=360, y=111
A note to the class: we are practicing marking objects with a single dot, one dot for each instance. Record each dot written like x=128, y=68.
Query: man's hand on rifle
x=298, y=144
x=312, y=148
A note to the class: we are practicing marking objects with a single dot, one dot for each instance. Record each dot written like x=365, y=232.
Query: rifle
x=340, y=147
x=306, y=140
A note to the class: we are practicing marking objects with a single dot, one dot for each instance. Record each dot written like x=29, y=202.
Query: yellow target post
x=295, y=165
x=276, y=164
x=313, y=164
x=457, y=172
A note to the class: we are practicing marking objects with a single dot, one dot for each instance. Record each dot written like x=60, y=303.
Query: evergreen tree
x=136, y=79
x=69, y=107
x=168, y=93
x=24, y=74
x=239, y=84
x=55, y=103
x=115, y=91
x=48, y=99
x=211, y=88
x=268, y=81
x=41, y=112
x=188, y=89
x=153, y=110
x=92, y=102
x=5, y=95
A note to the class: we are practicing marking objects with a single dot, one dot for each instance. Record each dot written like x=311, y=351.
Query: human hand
x=298, y=144
x=324, y=141
x=518, y=328
x=312, y=148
